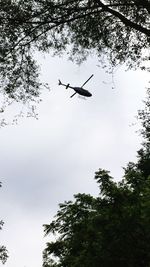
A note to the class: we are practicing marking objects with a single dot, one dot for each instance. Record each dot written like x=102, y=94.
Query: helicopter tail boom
x=66, y=85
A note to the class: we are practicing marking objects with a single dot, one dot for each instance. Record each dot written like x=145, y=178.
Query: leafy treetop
x=112, y=229
x=118, y=29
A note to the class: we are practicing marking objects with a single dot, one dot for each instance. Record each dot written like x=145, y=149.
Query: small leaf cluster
x=3, y=250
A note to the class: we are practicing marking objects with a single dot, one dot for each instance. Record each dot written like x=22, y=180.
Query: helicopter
x=78, y=90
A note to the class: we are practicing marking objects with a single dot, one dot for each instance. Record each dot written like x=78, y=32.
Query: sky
x=46, y=161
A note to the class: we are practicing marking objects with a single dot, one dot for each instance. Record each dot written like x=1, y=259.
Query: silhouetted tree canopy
x=3, y=251
x=118, y=30
x=112, y=229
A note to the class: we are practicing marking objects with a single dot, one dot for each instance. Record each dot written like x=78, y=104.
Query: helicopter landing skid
x=82, y=97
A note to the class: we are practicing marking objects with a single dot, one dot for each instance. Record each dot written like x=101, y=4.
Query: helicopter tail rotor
x=59, y=82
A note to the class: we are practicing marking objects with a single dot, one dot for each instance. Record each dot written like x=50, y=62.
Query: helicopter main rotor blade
x=73, y=94
x=87, y=80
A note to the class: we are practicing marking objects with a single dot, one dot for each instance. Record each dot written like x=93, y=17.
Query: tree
x=112, y=229
x=117, y=29
x=3, y=251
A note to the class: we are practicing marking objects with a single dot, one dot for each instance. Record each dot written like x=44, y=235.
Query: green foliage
x=3, y=254
x=3, y=250
x=112, y=229
x=144, y=116
x=118, y=29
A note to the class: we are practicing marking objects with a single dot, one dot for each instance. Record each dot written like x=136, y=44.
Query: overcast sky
x=46, y=161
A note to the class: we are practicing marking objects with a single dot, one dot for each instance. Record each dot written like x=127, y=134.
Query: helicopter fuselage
x=81, y=91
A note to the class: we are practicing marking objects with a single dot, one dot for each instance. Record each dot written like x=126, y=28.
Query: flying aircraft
x=78, y=90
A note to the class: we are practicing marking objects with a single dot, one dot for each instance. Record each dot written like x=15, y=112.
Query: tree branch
x=55, y=24
x=123, y=19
